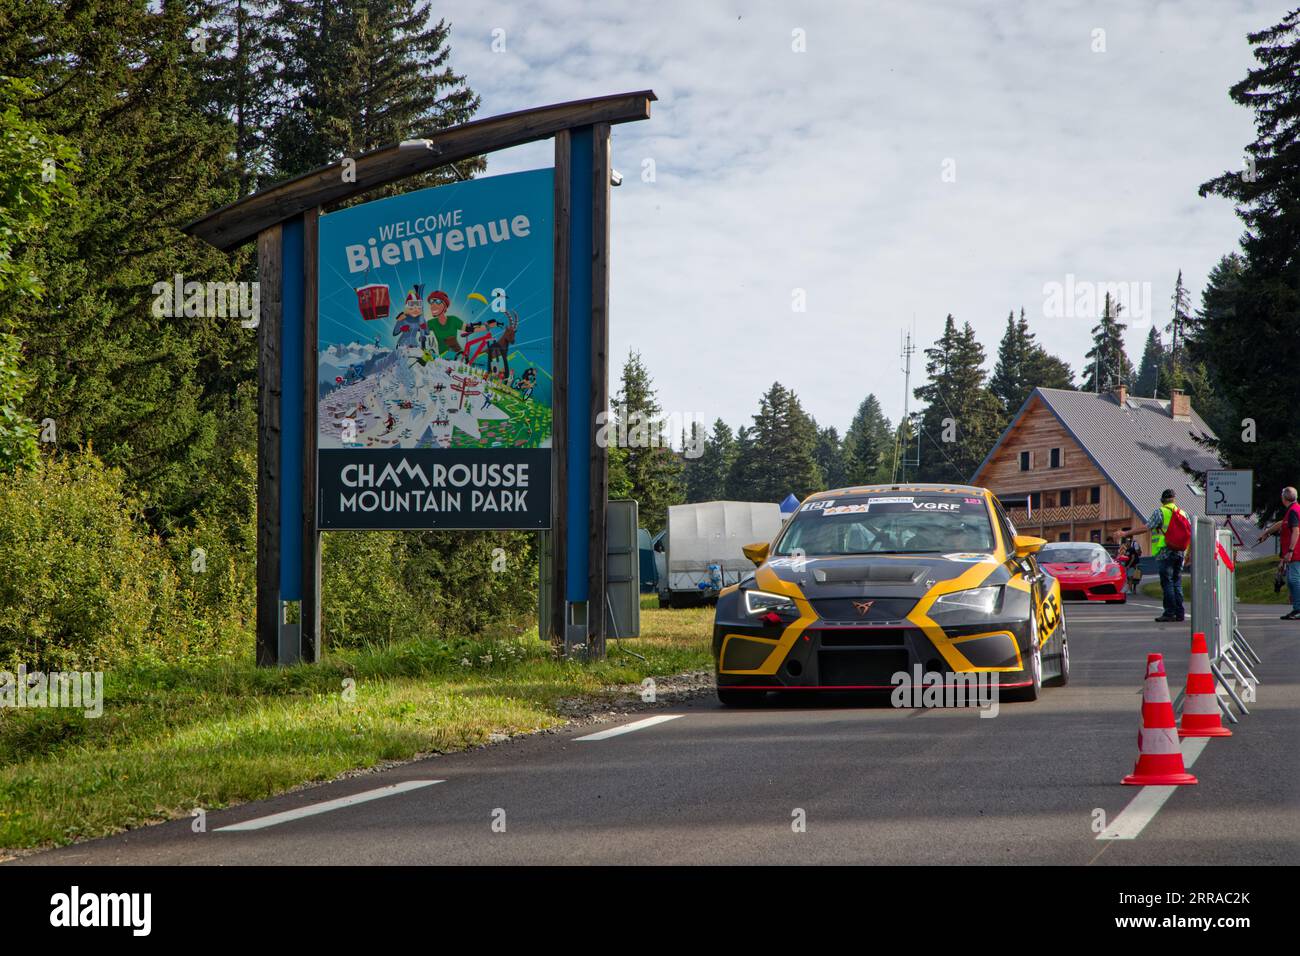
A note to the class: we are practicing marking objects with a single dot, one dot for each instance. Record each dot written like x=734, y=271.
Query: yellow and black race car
x=864, y=583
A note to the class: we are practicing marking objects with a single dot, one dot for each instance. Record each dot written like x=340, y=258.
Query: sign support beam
x=269, y=243
x=598, y=460
x=310, y=636
x=559, y=607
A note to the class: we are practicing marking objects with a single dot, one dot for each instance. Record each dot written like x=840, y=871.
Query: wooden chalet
x=1082, y=466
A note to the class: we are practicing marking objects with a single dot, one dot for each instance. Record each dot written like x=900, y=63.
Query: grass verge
x=1254, y=584
x=174, y=738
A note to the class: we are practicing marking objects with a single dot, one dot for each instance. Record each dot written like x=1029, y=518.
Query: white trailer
x=701, y=549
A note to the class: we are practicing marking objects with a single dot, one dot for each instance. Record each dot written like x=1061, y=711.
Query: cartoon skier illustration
x=407, y=327
x=407, y=332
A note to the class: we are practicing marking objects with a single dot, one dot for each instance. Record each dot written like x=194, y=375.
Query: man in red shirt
x=1289, y=529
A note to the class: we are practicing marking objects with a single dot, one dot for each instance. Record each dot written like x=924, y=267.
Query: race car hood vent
x=870, y=573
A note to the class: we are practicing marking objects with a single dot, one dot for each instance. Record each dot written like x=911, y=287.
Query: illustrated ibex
x=500, y=348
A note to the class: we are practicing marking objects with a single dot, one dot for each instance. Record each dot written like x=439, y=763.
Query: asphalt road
x=875, y=784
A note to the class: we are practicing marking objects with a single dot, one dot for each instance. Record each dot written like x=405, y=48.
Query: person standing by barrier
x=1288, y=565
x=1289, y=528
x=1171, y=534
x=1128, y=556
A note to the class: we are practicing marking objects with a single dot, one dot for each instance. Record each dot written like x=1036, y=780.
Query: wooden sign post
x=283, y=220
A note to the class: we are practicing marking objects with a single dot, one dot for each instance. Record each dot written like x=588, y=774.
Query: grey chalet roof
x=1137, y=446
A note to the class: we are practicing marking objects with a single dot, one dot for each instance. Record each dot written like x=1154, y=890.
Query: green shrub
x=366, y=599
x=215, y=557
x=384, y=586
x=85, y=584
x=470, y=580
x=82, y=582
x=17, y=431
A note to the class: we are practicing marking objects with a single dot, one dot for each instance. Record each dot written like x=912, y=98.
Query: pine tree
x=868, y=445
x=1108, y=364
x=620, y=485
x=962, y=418
x=1024, y=365
x=1153, y=362
x=831, y=460
x=740, y=476
x=777, y=456
x=654, y=472
x=1010, y=380
x=238, y=80
x=157, y=395
x=1246, y=334
x=706, y=477
x=362, y=74
x=1217, y=312
x=1043, y=370
x=1178, y=321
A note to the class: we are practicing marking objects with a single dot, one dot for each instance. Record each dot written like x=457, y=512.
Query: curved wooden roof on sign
x=233, y=225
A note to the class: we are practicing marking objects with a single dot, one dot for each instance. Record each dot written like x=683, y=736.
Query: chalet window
x=1056, y=458
x=1066, y=498
x=1065, y=536
x=1035, y=500
x=1024, y=461
x=1095, y=496
x=1094, y=535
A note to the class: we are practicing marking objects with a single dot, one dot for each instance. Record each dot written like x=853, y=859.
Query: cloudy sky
x=915, y=159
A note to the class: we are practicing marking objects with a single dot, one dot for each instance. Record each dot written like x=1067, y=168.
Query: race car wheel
x=1064, y=677
x=1035, y=668
x=732, y=697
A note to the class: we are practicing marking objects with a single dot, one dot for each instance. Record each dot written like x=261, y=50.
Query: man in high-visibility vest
x=1170, y=561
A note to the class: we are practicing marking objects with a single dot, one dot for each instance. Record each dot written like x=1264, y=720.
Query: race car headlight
x=978, y=600
x=760, y=602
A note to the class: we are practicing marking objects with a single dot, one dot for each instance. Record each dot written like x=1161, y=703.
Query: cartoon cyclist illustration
x=443, y=327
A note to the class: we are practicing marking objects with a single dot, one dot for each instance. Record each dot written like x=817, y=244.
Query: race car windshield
x=1072, y=554
x=888, y=524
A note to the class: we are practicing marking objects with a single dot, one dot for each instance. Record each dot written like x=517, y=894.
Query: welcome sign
x=434, y=358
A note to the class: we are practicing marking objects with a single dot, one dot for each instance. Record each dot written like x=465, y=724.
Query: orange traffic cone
x=1160, y=759
x=1200, y=702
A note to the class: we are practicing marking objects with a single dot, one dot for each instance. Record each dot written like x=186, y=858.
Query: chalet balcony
x=1061, y=515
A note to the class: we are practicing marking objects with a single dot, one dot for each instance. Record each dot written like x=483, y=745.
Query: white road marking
x=1142, y=809
x=259, y=823
x=628, y=728
x=1108, y=619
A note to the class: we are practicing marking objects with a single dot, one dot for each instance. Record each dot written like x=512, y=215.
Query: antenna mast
x=905, y=352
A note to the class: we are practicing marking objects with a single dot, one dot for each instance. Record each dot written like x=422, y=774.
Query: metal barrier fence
x=1214, y=613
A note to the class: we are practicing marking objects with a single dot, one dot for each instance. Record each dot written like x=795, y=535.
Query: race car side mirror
x=1027, y=544
x=756, y=552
